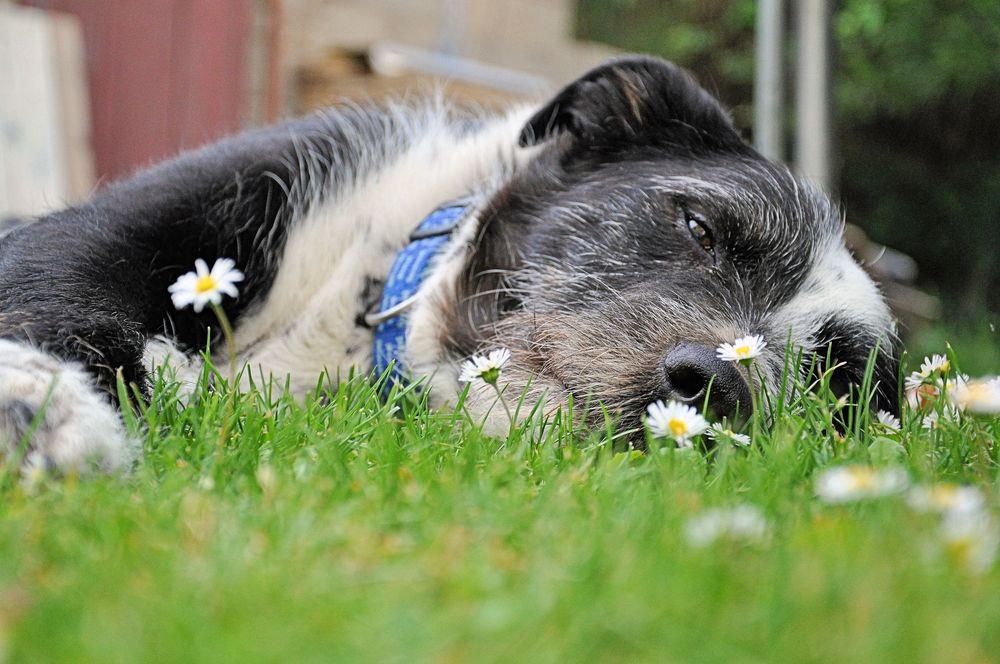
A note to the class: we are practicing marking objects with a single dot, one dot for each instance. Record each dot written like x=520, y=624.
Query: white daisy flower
x=981, y=396
x=935, y=363
x=933, y=419
x=718, y=432
x=485, y=367
x=970, y=539
x=843, y=484
x=914, y=381
x=925, y=394
x=743, y=350
x=952, y=384
x=740, y=523
x=888, y=420
x=203, y=286
x=945, y=498
x=675, y=420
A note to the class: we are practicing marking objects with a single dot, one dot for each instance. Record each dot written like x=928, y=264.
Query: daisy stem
x=503, y=402
x=227, y=332
x=753, y=402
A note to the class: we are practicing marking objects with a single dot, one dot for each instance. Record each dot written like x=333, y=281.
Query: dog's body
x=614, y=235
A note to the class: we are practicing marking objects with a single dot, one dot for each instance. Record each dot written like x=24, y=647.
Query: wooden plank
x=31, y=149
x=74, y=107
x=6, y=61
x=133, y=75
x=210, y=43
x=163, y=74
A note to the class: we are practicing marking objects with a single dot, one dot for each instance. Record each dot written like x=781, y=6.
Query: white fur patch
x=163, y=354
x=75, y=427
x=836, y=287
x=307, y=322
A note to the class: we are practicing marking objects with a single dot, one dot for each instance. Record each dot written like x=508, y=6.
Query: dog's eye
x=699, y=232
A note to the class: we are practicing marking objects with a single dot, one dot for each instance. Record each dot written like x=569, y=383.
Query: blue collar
x=407, y=273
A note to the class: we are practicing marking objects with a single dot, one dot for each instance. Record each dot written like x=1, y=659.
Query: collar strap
x=400, y=290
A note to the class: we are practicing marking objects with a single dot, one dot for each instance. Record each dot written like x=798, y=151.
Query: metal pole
x=769, y=79
x=812, y=130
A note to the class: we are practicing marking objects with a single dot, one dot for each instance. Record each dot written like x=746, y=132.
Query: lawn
x=348, y=529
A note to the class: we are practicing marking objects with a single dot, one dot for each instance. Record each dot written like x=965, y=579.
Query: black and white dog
x=612, y=239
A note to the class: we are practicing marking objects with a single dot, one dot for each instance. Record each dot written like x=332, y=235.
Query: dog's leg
x=52, y=417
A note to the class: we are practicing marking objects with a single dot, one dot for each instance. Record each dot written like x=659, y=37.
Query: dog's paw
x=52, y=416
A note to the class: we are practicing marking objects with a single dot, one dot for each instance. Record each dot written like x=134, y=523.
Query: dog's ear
x=635, y=99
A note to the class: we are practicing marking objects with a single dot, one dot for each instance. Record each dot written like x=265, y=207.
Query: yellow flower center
x=742, y=351
x=204, y=284
x=863, y=479
x=944, y=496
x=678, y=427
x=960, y=550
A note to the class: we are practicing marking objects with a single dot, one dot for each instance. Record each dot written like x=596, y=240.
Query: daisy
x=485, y=367
x=935, y=363
x=958, y=382
x=971, y=540
x=844, y=484
x=946, y=498
x=914, y=381
x=981, y=396
x=934, y=419
x=888, y=420
x=741, y=523
x=743, y=350
x=203, y=286
x=675, y=420
x=719, y=432
x=925, y=393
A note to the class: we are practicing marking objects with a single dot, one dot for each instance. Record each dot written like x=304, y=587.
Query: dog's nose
x=691, y=370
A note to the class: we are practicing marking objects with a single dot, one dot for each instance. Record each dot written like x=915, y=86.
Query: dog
x=610, y=239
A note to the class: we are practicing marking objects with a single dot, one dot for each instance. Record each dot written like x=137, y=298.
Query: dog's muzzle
x=691, y=371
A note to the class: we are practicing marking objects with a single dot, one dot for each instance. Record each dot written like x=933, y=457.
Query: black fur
x=636, y=101
x=90, y=283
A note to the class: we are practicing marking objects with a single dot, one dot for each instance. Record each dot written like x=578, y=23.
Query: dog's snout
x=691, y=370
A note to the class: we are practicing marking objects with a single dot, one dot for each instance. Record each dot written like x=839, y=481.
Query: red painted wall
x=164, y=74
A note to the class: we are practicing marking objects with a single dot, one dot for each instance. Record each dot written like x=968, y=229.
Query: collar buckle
x=375, y=318
x=375, y=315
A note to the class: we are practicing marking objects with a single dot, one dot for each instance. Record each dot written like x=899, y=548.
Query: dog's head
x=646, y=232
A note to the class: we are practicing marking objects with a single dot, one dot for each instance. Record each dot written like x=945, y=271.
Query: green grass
x=344, y=529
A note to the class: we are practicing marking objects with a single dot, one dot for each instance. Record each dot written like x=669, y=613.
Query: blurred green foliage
x=917, y=97
x=974, y=341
